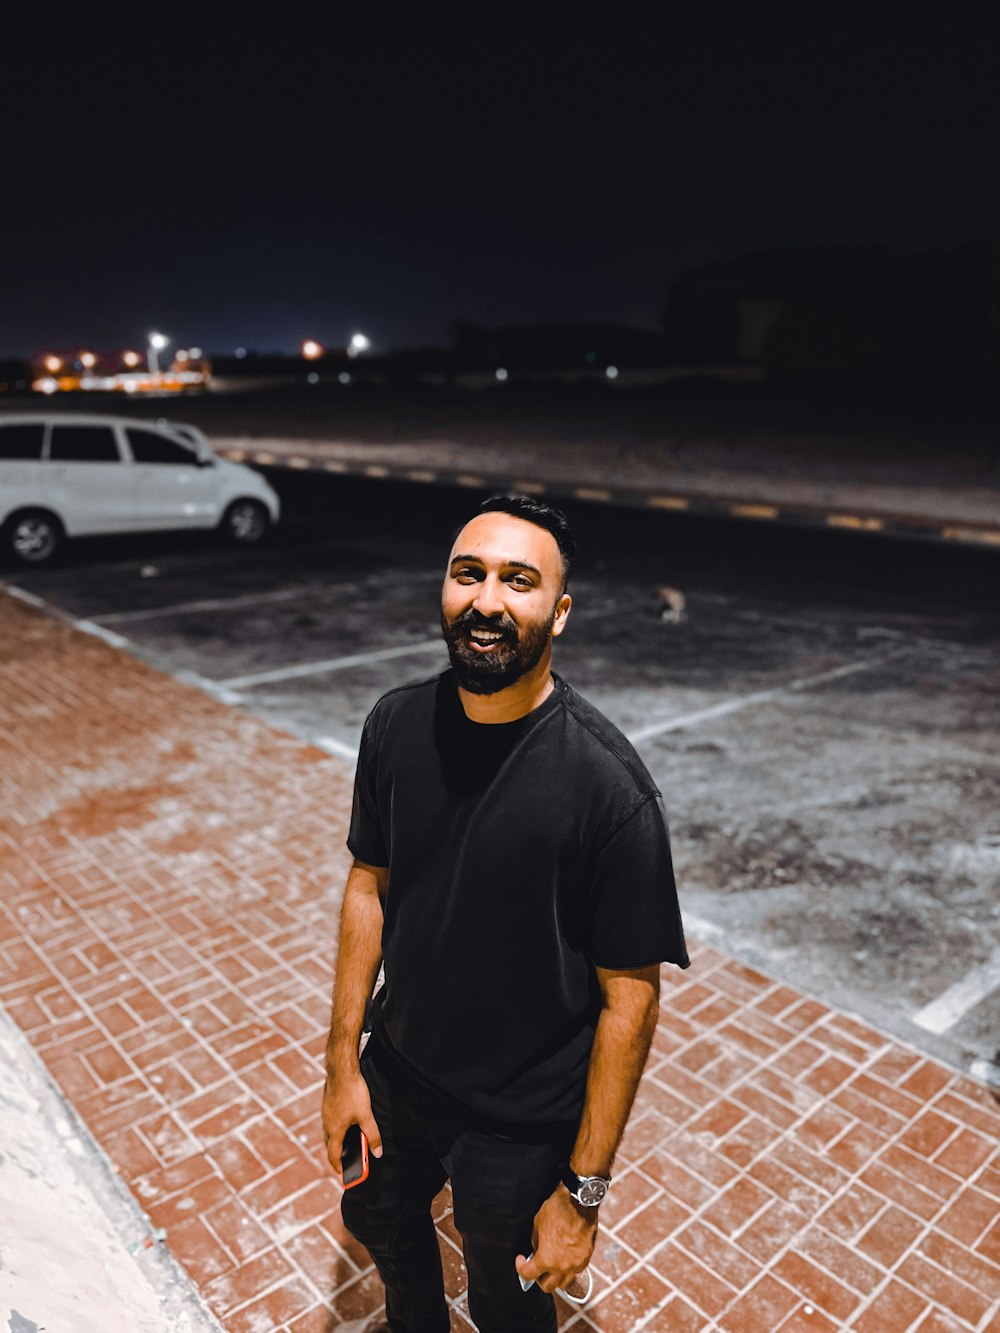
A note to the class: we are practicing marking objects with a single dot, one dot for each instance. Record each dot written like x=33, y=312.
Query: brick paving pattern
x=170, y=879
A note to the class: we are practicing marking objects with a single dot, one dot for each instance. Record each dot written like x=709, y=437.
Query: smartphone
x=354, y=1158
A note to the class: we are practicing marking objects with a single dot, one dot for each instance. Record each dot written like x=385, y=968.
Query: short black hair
x=543, y=515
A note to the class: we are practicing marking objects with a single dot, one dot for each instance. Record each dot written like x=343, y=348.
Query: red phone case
x=354, y=1158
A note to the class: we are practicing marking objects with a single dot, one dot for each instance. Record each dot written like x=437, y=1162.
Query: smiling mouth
x=485, y=640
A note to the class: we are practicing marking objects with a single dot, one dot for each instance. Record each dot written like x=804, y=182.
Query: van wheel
x=33, y=536
x=245, y=522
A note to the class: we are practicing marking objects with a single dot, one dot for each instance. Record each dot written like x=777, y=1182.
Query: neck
x=523, y=697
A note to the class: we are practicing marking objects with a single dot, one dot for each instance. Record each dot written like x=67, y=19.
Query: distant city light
x=311, y=349
x=312, y=377
x=157, y=342
x=501, y=374
x=53, y=363
x=48, y=385
x=181, y=354
x=131, y=359
x=196, y=353
x=358, y=344
x=344, y=378
x=88, y=360
x=612, y=372
x=240, y=353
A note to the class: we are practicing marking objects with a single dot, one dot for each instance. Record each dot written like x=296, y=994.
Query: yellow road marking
x=754, y=511
x=986, y=536
x=854, y=521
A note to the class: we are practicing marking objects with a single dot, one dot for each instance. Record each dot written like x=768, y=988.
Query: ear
x=562, y=612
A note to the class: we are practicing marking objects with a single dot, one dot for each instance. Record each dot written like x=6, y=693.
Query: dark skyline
x=397, y=168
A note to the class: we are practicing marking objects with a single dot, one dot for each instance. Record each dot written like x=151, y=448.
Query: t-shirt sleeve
x=366, y=839
x=635, y=917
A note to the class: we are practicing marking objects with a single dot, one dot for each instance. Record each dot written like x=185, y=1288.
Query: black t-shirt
x=520, y=855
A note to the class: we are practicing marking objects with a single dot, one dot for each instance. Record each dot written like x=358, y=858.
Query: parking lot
x=820, y=713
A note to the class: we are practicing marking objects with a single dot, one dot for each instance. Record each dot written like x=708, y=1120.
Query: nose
x=489, y=599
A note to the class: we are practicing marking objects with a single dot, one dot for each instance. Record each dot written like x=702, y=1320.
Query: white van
x=65, y=475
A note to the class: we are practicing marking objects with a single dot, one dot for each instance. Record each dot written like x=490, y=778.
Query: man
x=512, y=870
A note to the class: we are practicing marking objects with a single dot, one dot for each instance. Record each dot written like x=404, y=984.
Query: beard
x=515, y=654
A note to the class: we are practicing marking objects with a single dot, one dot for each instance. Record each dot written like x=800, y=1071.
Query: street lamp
x=311, y=349
x=157, y=342
x=358, y=344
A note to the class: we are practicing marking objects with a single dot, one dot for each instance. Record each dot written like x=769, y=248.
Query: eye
x=466, y=575
x=521, y=581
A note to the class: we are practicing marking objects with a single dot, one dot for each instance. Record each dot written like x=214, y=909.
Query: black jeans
x=498, y=1181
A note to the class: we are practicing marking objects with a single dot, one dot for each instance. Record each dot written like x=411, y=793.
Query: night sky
x=392, y=168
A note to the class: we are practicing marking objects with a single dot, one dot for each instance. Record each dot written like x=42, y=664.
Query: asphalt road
x=821, y=715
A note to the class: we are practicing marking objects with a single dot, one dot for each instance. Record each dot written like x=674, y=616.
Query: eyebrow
x=507, y=564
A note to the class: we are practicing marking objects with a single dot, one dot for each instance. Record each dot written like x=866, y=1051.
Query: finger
x=334, y=1149
x=331, y=1121
x=372, y=1134
x=527, y=1267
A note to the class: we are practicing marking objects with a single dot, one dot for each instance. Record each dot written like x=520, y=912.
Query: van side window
x=21, y=441
x=149, y=446
x=83, y=444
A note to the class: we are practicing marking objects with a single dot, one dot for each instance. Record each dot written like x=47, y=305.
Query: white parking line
x=360, y=659
x=944, y=1012
x=249, y=599
x=330, y=664
x=185, y=608
x=749, y=700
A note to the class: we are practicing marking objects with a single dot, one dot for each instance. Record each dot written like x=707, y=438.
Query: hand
x=346, y=1102
x=562, y=1238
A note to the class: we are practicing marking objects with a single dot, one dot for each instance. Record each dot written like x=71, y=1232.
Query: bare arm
x=621, y=1044
x=565, y=1232
x=359, y=955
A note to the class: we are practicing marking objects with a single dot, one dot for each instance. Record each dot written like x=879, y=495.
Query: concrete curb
x=81, y=1248
x=689, y=501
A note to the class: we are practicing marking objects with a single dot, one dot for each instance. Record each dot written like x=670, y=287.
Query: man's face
x=502, y=601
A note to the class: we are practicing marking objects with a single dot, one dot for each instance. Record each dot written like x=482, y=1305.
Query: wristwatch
x=586, y=1190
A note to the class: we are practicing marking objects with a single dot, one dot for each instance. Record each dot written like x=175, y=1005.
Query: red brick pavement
x=170, y=875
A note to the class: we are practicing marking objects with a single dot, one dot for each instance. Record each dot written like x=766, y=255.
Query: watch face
x=592, y=1191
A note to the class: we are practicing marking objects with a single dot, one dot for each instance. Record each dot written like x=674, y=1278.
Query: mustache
x=471, y=619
